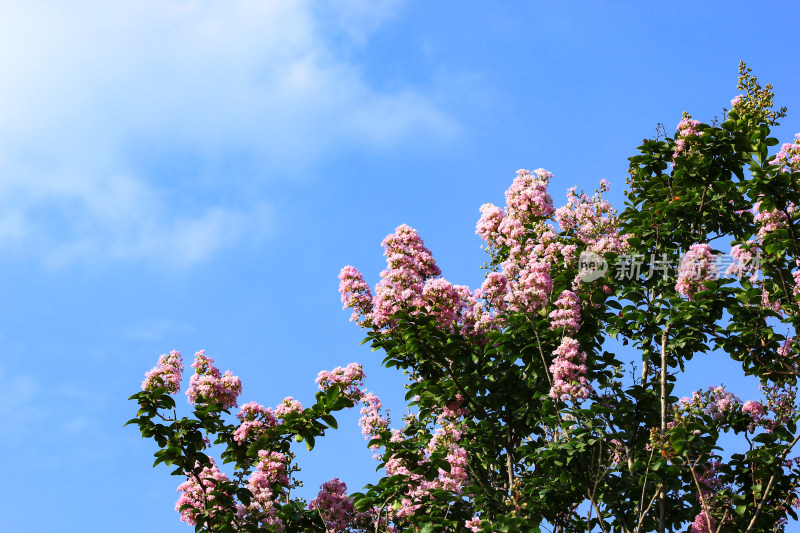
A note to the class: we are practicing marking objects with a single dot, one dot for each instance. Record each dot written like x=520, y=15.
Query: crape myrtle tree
x=520, y=418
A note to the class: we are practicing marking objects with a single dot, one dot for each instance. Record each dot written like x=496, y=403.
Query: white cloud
x=99, y=98
x=359, y=18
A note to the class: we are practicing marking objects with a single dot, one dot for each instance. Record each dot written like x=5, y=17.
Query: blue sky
x=180, y=174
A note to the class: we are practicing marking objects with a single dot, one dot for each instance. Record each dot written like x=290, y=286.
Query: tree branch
x=771, y=482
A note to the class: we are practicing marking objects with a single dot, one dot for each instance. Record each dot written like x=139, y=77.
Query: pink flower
x=530, y=289
x=754, y=409
x=567, y=314
x=527, y=198
x=473, y=318
x=489, y=223
x=715, y=402
x=335, y=508
x=768, y=220
x=474, y=524
x=255, y=420
x=409, y=264
x=405, y=242
x=207, y=386
x=697, y=266
x=746, y=261
x=457, y=476
x=569, y=369
x=701, y=522
x=721, y=401
x=617, y=450
x=288, y=405
x=347, y=379
x=591, y=220
x=372, y=422
x=493, y=290
x=788, y=159
x=796, y=278
x=265, y=484
x=442, y=301
x=355, y=294
x=166, y=374
x=195, y=495
x=769, y=304
x=786, y=347
x=687, y=128
x=399, y=290
x=445, y=441
x=780, y=401
x=510, y=232
x=271, y=469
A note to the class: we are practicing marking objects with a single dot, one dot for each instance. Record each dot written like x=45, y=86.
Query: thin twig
x=706, y=508
x=771, y=481
x=649, y=505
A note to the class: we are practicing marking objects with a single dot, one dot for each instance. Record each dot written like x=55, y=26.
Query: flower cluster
x=405, y=249
x=271, y=469
x=788, y=159
x=618, y=451
x=409, y=264
x=697, y=266
x=372, y=422
x=778, y=409
x=489, y=223
x=788, y=347
x=567, y=314
x=208, y=386
x=796, y=278
x=493, y=290
x=255, y=420
x=715, y=402
x=709, y=484
x=529, y=249
x=701, y=523
x=333, y=505
x=527, y=198
x=446, y=438
x=454, y=479
x=265, y=484
x=569, y=372
x=411, y=284
x=166, y=374
x=529, y=288
x=444, y=441
x=355, y=295
x=755, y=411
x=592, y=220
x=708, y=480
x=745, y=261
x=288, y=405
x=768, y=220
x=474, y=524
x=348, y=379
x=781, y=402
x=686, y=129
x=196, y=498
x=442, y=301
